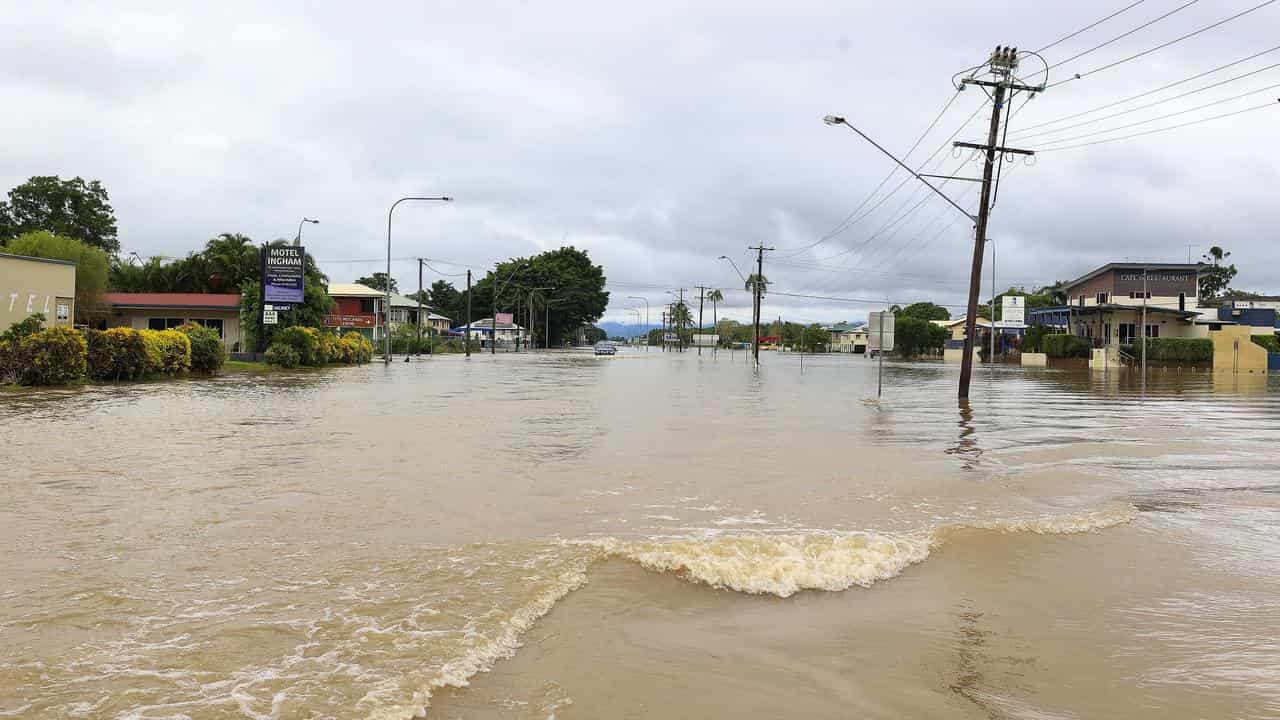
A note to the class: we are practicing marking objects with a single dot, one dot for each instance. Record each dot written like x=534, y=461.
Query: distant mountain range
x=626, y=329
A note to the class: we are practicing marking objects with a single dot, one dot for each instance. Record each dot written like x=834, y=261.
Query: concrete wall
x=1035, y=359
x=34, y=285
x=1235, y=352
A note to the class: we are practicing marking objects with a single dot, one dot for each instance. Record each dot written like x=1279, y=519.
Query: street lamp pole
x=297, y=239
x=386, y=328
x=646, y=318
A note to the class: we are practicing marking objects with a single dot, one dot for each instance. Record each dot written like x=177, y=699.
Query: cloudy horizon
x=657, y=138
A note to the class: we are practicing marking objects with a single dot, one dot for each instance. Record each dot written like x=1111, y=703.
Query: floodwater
x=644, y=536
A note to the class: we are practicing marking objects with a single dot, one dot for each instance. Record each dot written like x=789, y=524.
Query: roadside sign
x=880, y=331
x=282, y=273
x=1013, y=311
x=506, y=318
x=270, y=317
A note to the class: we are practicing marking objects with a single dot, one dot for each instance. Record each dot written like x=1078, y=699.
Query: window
x=1153, y=331
x=1106, y=330
x=1182, y=301
x=1140, y=295
x=164, y=323
x=366, y=305
x=1102, y=298
x=1128, y=331
x=214, y=324
x=1081, y=300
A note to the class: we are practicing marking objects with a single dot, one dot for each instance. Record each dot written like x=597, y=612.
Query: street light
x=387, y=310
x=297, y=239
x=637, y=312
x=735, y=267
x=646, y=318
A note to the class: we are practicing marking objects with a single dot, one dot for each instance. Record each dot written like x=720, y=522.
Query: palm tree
x=715, y=296
x=753, y=278
x=681, y=318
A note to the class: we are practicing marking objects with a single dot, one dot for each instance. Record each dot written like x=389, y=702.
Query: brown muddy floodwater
x=642, y=536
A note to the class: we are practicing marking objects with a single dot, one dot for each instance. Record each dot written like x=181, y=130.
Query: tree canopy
x=70, y=208
x=91, y=264
x=913, y=337
x=576, y=296
x=923, y=311
x=1217, y=278
x=224, y=264
x=378, y=281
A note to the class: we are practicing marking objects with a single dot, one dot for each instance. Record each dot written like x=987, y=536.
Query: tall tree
x=70, y=208
x=91, y=264
x=923, y=311
x=716, y=297
x=445, y=299
x=379, y=281
x=578, y=296
x=1218, y=276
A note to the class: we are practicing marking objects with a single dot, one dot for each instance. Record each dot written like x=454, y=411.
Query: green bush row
x=1065, y=346
x=1267, y=341
x=307, y=346
x=1178, y=350
x=60, y=355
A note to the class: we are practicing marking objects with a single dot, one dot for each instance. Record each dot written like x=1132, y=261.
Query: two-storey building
x=1107, y=305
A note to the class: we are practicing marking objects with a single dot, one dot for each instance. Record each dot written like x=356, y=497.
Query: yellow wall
x=32, y=285
x=1234, y=351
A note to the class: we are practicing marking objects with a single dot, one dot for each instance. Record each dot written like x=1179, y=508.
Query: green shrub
x=116, y=354
x=54, y=356
x=168, y=351
x=1065, y=346
x=1267, y=341
x=1175, y=350
x=305, y=341
x=207, y=352
x=330, y=347
x=1033, y=339
x=362, y=349
x=282, y=355
x=10, y=339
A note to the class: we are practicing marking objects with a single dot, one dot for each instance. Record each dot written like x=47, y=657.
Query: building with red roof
x=159, y=311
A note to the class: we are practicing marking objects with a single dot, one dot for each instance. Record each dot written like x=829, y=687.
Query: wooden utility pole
x=468, y=331
x=1003, y=62
x=757, y=288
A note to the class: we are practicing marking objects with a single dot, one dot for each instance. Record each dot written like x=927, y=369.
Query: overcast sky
x=657, y=137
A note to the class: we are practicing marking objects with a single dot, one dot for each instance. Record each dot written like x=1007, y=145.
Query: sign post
x=282, y=282
x=880, y=338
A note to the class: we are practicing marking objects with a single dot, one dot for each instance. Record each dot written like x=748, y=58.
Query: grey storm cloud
x=656, y=136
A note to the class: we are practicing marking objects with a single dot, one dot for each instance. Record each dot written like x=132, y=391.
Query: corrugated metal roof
x=353, y=290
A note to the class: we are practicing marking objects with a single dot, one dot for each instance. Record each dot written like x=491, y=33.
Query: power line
x=1091, y=26
x=848, y=221
x=1163, y=45
x=1161, y=117
x=1160, y=130
x=1154, y=104
x=1149, y=92
x=1125, y=34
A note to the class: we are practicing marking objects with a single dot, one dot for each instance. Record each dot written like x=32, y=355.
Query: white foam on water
x=784, y=564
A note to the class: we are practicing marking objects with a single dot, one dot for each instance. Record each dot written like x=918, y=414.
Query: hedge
x=116, y=354
x=53, y=356
x=1065, y=346
x=207, y=352
x=1267, y=341
x=298, y=345
x=1178, y=350
x=168, y=351
x=10, y=361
